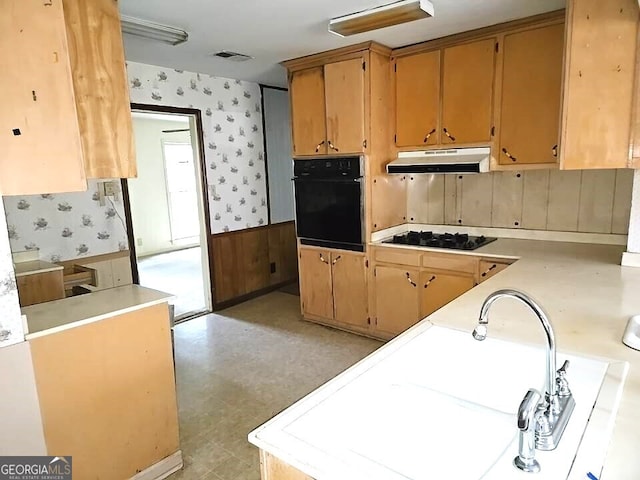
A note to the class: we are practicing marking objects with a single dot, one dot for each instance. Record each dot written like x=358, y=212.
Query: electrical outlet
x=139, y=242
x=110, y=188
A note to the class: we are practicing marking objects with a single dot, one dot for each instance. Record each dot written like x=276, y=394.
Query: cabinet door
x=397, y=298
x=344, y=95
x=101, y=87
x=468, y=92
x=438, y=289
x=40, y=287
x=308, y=112
x=350, y=289
x=315, y=283
x=531, y=88
x=418, y=99
x=41, y=147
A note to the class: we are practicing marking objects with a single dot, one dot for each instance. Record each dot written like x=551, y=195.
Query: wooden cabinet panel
x=443, y=261
x=316, y=282
x=397, y=255
x=397, y=298
x=598, y=83
x=107, y=390
x=350, y=289
x=101, y=87
x=344, y=95
x=308, y=115
x=531, y=90
x=418, y=99
x=39, y=133
x=438, y=289
x=40, y=287
x=255, y=258
x=489, y=268
x=467, y=95
x=227, y=266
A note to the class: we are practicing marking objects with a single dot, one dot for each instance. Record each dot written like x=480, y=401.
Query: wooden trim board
x=162, y=469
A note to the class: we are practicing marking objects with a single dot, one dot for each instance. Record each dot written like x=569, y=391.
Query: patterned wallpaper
x=65, y=226
x=233, y=137
x=10, y=318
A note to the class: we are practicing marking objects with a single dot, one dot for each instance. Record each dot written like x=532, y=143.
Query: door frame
x=197, y=115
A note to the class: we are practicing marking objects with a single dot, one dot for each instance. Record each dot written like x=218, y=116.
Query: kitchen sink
x=444, y=406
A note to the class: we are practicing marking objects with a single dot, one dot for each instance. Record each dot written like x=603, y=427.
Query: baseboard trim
x=162, y=469
x=249, y=296
x=630, y=259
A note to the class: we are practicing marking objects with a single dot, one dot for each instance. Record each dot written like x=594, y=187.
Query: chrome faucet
x=550, y=416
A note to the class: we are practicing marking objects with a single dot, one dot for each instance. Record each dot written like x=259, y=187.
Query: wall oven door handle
x=326, y=180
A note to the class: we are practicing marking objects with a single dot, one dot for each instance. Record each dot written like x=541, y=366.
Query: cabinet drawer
x=489, y=268
x=457, y=263
x=399, y=256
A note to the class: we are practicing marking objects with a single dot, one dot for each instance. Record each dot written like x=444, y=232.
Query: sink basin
x=444, y=406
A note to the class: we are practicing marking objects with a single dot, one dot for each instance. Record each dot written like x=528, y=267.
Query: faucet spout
x=480, y=333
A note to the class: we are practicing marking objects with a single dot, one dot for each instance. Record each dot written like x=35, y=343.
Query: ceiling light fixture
x=153, y=31
x=387, y=15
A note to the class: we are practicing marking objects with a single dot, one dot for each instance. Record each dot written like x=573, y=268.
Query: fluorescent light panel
x=153, y=31
x=395, y=13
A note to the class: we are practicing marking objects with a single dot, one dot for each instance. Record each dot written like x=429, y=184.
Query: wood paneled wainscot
x=65, y=97
x=107, y=391
x=333, y=287
x=252, y=261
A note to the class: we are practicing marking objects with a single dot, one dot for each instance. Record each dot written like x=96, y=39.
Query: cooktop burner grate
x=456, y=241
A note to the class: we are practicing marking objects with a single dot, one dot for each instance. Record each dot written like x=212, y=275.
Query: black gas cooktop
x=456, y=241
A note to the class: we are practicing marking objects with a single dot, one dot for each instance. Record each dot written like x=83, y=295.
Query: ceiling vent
x=233, y=56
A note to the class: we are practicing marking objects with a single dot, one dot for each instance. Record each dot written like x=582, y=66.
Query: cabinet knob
x=426, y=285
x=319, y=145
x=323, y=260
x=492, y=267
x=509, y=156
x=413, y=284
x=451, y=137
x=332, y=146
x=554, y=150
x=335, y=260
x=428, y=135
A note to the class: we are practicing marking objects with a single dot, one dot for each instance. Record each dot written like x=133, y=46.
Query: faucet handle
x=561, y=380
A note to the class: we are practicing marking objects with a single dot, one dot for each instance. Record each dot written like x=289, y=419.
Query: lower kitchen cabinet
x=40, y=287
x=491, y=267
x=397, y=298
x=438, y=289
x=333, y=286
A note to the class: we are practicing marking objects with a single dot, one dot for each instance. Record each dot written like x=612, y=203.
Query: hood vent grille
x=453, y=161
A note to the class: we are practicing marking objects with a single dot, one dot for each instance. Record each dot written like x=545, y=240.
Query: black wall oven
x=329, y=200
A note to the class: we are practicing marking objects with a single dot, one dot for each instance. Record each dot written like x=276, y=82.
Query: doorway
x=166, y=210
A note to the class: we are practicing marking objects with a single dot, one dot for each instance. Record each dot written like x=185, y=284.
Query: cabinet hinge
x=364, y=65
x=375, y=272
x=364, y=143
x=395, y=67
x=368, y=320
x=497, y=46
x=395, y=138
x=366, y=264
x=493, y=131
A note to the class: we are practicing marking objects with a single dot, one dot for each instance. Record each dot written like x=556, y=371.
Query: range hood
x=453, y=160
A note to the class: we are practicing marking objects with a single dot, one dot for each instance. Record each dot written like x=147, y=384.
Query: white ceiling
x=277, y=30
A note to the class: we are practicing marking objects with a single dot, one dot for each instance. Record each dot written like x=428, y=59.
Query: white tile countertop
x=52, y=317
x=589, y=298
x=34, y=267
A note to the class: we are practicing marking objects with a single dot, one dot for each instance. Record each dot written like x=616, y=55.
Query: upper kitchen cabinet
x=334, y=106
x=445, y=96
x=599, y=88
x=39, y=132
x=66, y=114
x=529, y=105
x=309, y=129
x=417, y=99
x=467, y=92
x=101, y=87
